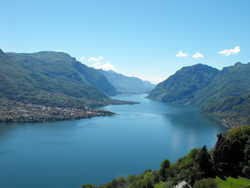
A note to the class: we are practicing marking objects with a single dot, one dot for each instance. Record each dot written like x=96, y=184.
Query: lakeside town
x=14, y=111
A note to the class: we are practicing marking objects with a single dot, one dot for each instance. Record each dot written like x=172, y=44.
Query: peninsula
x=13, y=111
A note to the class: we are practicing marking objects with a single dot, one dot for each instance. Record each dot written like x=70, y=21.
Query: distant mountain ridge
x=219, y=93
x=125, y=84
x=55, y=78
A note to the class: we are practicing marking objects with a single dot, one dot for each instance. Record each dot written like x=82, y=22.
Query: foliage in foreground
x=206, y=183
x=231, y=181
x=230, y=155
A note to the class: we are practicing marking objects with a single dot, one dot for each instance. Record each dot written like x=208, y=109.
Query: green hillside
x=234, y=110
x=17, y=80
x=64, y=68
x=218, y=93
x=51, y=78
x=125, y=84
x=230, y=81
x=183, y=85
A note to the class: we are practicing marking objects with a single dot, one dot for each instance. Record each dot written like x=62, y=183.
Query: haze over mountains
x=125, y=84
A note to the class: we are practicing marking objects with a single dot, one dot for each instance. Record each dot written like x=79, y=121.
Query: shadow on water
x=7, y=126
x=190, y=117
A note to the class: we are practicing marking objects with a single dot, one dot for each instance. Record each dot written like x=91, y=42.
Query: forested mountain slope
x=184, y=84
x=230, y=81
x=219, y=93
x=51, y=78
x=62, y=67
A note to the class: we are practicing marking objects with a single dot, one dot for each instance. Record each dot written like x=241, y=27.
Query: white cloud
x=230, y=51
x=223, y=51
x=58, y=50
x=180, y=54
x=95, y=59
x=107, y=66
x=82, y=58
x=197, y=55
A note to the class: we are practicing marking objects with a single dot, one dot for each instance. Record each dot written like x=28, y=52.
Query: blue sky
x=133, y=37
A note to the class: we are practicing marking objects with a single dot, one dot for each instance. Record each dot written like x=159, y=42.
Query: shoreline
x=13, y=111
x=234, y=122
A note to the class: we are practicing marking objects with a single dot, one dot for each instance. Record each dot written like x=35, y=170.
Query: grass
x=228, y=182
x=223, y=182
x=159, y=185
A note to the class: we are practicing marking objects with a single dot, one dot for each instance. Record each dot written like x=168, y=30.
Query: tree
x=148, y=180
x=221, y=155
x=164, y=166
x=247, y=152
x=118, y=182
x=156, y=176
x=225, y=157
x=203, y=158
x=192, y=154
x=88, y=186
x=114, y=183
x=237, y=153
x=131, y=180
x=234, y=133
x=246, y=171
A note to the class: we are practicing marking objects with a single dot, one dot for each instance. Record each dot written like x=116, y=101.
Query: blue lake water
x=69, y=154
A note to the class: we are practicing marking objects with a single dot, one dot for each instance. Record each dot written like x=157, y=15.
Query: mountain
x=16, y=79
x=224, y=93
x=63, y=67
x=183, y=85
x=230, y=81
x=51, y=78
x=232, y=106
x=125, y=84
x=235, y=111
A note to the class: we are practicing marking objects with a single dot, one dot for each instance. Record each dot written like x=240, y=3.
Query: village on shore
x=14, y=111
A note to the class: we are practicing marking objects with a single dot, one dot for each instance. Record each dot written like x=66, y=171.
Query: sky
x=150, y=39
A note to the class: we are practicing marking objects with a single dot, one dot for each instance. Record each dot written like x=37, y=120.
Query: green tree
x=114, y=183
x=164, y=166
x=221, y=155
x=118, y=182
x=203, y=158
x=192, y=154
x=148, y=180
x=88, y=186
x=225, y=157
x=131, y=181
x=237, y=153
x=156, y=176
x=234, y=133
x=247, y=152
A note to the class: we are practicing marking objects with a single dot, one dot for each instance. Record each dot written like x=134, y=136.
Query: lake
x=68, y=154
